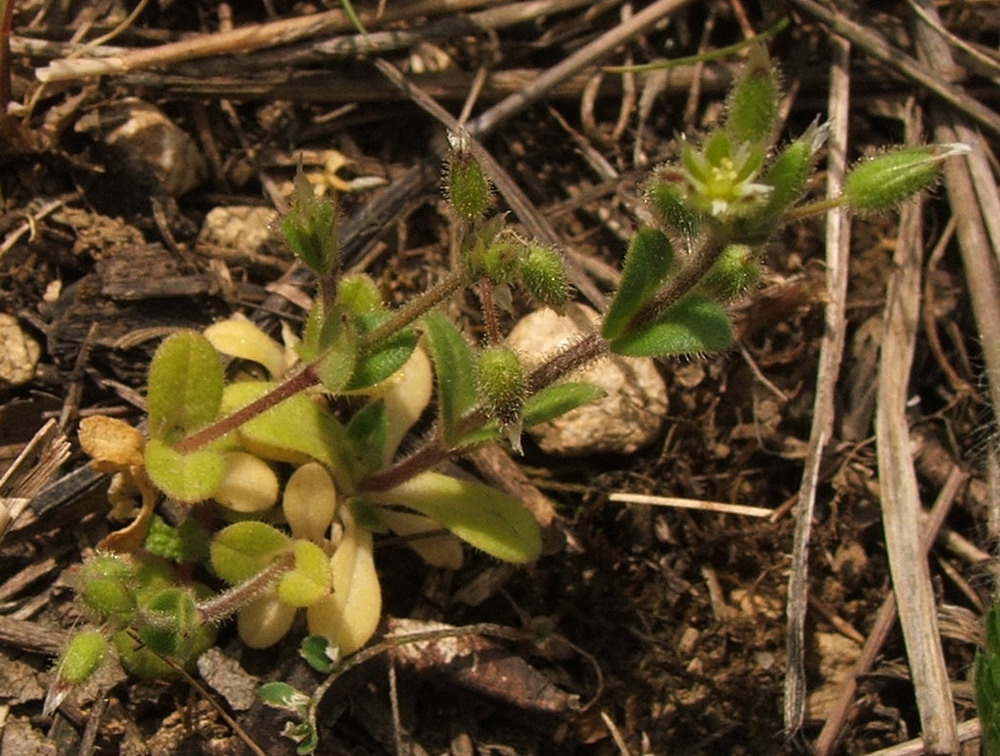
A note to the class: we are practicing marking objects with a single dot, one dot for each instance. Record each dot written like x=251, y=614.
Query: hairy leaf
x=309, y=580
x=454, y=365
x=695, y=325
x=380, y=361
x=185, y=386
x=480, y=515
x=243, y=549
x=186, y=477
x=647, y=263
x=297, y=429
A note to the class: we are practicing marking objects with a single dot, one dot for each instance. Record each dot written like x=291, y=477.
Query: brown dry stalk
x=911, y=578
x=242, y=40
x=831, y=353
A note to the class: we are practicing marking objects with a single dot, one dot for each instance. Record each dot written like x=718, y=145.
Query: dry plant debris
x=863, y=390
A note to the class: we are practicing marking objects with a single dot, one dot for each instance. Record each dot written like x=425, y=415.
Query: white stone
x=19, y=352
x=628, y=418
x=246, y=228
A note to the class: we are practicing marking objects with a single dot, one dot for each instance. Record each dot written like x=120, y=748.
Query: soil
x=643, y=629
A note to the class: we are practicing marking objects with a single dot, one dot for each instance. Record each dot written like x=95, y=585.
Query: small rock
x=837, y=657
x=241, y=227
x=625, y=420
x=152, y=147
x=19, y=353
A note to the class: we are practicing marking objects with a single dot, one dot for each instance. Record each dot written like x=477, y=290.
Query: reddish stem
x=294, y=385
x=489, y=311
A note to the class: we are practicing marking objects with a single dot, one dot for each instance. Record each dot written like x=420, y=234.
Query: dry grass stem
x=900, y=494
x=704, y=506
x=831, y=354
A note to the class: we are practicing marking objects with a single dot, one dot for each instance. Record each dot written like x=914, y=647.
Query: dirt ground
x=659, y=630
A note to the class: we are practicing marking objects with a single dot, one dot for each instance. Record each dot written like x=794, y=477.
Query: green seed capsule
x=544, y=276
x=754, y=101
x=83, y=656
x=882, y=182
x=466, y=186
x=502, y=384
x=733, y=274
x=107, y=587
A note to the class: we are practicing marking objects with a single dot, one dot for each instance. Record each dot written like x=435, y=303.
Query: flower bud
x=884, y=181
x=466, y=185
x=501, y=260
x=789, y=172
x=544, y=276
x=107, y=587
x=83, y=656
x=735, y=271
x=310, y=228
x=754, y=100
x=172, y=621
x=502, y=387
x=666, y=195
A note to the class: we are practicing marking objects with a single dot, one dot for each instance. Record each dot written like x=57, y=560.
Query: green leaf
x=695, y=325
x=647, y=263
x=243, y=549
x=558, y=399
x=480, y=515
x=454, y=366
x=298, y=427
x=309, y=580
x=338, y=351
x=281, y=695
x=380, y=361
x=318, y=652
x=185, y=386
x=367, y=431
x=359, y=294
x=185, y=477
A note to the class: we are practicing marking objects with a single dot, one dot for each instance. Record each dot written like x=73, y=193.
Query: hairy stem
x=813, y=208
x=489, y=311
x=681, y=283
x=413, y=309
x=299, y=382
x=591, y=347
x=226, y=604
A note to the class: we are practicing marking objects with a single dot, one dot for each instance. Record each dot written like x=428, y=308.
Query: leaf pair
x=458, y=391
x=184, y=395
x=632, y=325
